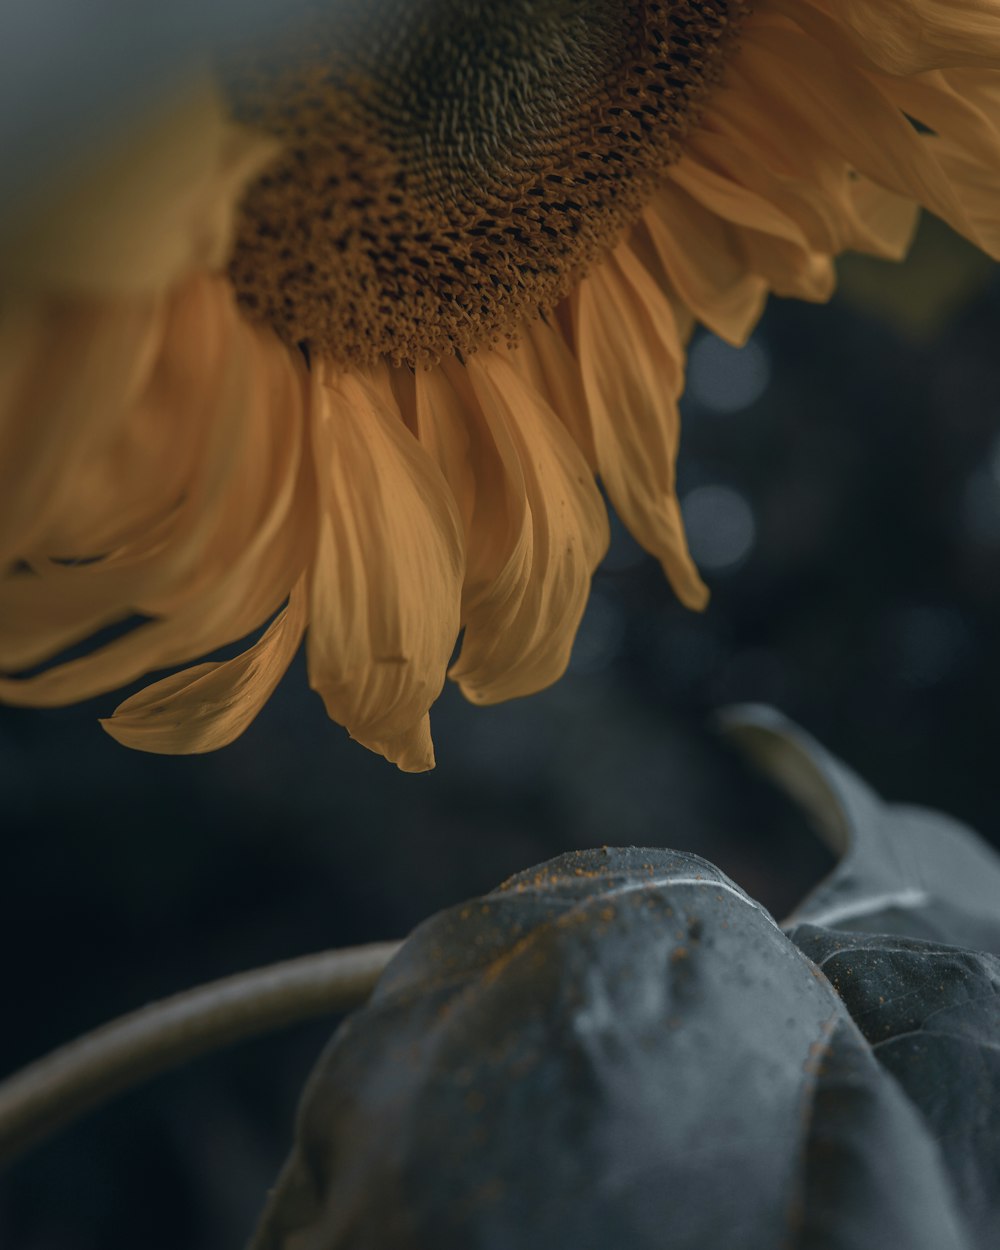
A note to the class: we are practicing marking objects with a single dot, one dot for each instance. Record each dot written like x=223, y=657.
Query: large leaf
x=617, y=1051
x=929, y=1008
x=932, y=1015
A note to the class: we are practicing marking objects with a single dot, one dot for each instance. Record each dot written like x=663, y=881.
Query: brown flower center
x=452, y=166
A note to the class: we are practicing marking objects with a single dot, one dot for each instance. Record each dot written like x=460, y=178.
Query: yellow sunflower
x=343, y=344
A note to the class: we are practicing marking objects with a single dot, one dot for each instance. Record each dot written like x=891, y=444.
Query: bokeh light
x=727, y=379
x=720, y=527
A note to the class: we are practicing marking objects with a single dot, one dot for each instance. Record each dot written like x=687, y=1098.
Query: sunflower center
x=450, y=167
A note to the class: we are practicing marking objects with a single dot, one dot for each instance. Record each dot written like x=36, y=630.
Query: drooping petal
x=772, y=244
x=856, y=109
x=701, y=255
x=210, y=705
x=69, y=372
x=631, y=362
x=962, y=108
x=537, y=532
x=909, y=36
x=443, y=427
x=224, y=553
x=387, y=575
x=770, y=147
x=835, y=105
x=545, y=357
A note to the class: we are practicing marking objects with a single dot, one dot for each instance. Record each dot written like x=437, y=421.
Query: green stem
x=50, y=1093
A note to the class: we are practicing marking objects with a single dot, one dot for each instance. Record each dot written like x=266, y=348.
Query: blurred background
x=840, y=479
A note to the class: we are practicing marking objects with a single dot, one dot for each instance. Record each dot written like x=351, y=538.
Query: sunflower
x=342, y=345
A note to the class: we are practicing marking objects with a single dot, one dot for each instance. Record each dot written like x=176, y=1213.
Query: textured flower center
x=452, y=166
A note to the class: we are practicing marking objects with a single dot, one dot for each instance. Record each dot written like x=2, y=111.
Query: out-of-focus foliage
x=942, y=274
x=620, y=1048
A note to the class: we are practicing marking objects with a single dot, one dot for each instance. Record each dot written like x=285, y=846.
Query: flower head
x=341, y=348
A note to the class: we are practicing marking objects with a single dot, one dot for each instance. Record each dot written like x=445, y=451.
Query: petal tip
x=411, y=751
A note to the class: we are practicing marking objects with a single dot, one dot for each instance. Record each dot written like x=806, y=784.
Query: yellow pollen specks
x=451, y=166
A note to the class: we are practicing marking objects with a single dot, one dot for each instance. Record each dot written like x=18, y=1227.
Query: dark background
x=841, y=479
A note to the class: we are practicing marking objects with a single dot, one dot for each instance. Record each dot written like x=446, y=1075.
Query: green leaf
x=888, y=927
x=904, y=870
x=616, y=1051
x=932, y=1016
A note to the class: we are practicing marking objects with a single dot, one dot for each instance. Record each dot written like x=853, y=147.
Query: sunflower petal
x=210, y=705
x=631, y=362
x=702, y=259
x=770, y=146
x=909, y=36
x=545, y=356
x=838, y=107
x=69, y=372
x=538, y=531
x=222, y=558
x=962, y=108
x=386, y=583
x=773, y=245
x=443, y=428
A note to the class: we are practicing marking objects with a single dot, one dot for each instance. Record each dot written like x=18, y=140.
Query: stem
x=49, y=1094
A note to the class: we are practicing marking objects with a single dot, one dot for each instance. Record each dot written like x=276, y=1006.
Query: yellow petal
x=387, y=576
x=700, y=254
x=443, y=427
x=209, y=706
x=773, y=245
x=538, y=531
x=845, y=110
x=156, y=208
x=69, y=373
x=962, y=108
x=225, y=555
x=631, y=363
x=953, y=170
x=908, y=36
x=771, y=149
x=545, y=358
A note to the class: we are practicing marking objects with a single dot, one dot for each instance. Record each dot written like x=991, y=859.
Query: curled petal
x=773, y=245
x=210, y=705
x=70, y=372
x=962, y=108
x=631, y=362
x=909, y=36
x=443, y=427
x=546, y=359
x=537, y=533
x=769, y=148
x=701, y=255
x=223, y=555
x=839, y=107
x=387, y=575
